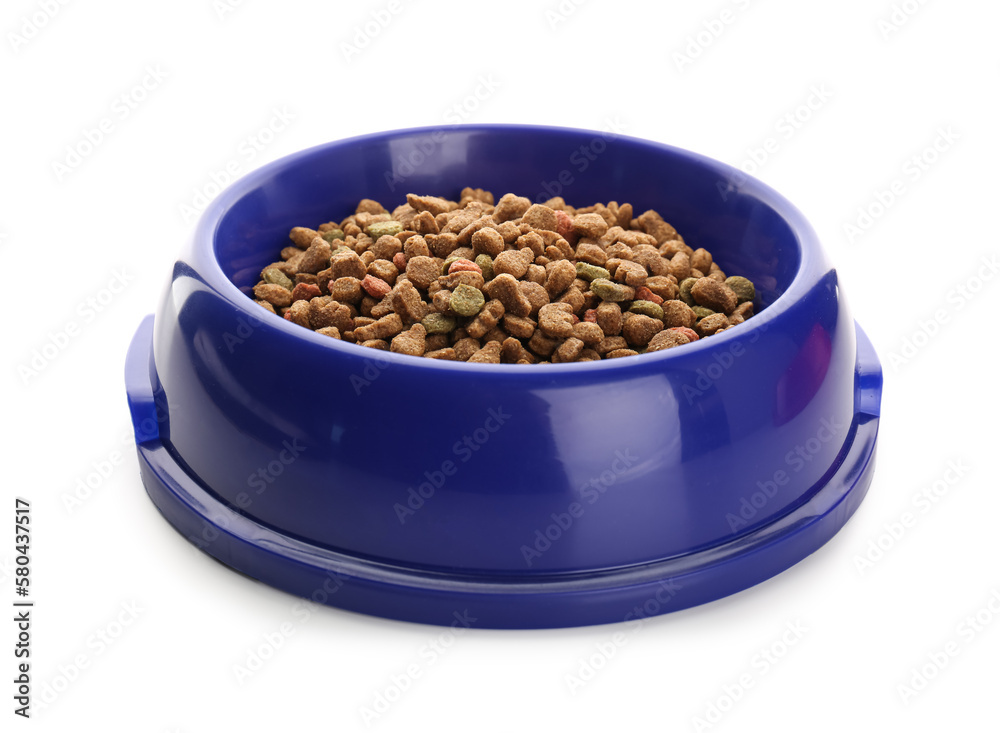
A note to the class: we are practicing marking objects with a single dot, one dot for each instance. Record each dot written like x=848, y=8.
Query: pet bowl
x=518, y=496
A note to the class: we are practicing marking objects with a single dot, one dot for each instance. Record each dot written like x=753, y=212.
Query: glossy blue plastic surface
x=535, y=496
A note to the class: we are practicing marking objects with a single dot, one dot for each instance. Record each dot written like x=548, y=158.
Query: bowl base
x=522, y=601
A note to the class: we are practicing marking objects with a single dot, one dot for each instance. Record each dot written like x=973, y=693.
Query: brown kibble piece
x=330, y=315
x=631, y=273
x=666, y=340
x=441, y=245
x=542, y=344
x=460, y=219
x=561, y=275
x=663, y=285
x=386, y=247
x=701, y=259
x=477, y=225
x=619, y=353
x=302, y=236
x=504, y=288
x=446, y=354
x=331, y=331
x=299, y=313
x=711, y=324
x=384, y=270
x=474, y=194
x=512, y=351
x=556, y=320
x=412, y=341
x=532, y=241
x=680, y=266
x=509, y=231
x=510, y=207
x=422, y=271
x=345, y=289
x=624, y=218
x=590, y=334
x=432, y=204
x=416, y=246
x=639, y=329
x=522, y=328
x=744, y=310
x=347, y=264
x=715, y=295
x=487, y=242
x=513, y=262
x=486, y=320
x=369, y=206
x=591, y=253
x=677, y=313
x=574, y=298
x=407, y=303
x=316, y=258
x=424, y=223
x=535, y=293
x=383, y=328
x=590, y=225
x=489, y=354
x=611, y=343
x=273, y=294
x=466, y=347
x=609, y=318
x=462, y=277
x=568, y=351
x=540, y=217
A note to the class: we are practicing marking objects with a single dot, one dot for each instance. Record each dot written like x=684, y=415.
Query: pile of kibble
x=503, y=282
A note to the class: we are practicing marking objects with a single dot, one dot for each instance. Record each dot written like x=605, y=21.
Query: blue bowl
x=527, y=496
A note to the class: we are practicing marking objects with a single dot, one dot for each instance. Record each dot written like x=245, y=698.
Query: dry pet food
x=503, y=281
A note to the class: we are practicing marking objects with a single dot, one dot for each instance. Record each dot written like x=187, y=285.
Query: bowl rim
x=207, y=226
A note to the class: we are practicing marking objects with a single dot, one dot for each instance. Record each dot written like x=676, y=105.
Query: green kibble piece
x=467, y=300
x=382, y=228
x=611, y=291
x=485, y=263
x=684, y=291
x=447, y=264
x=332, y=234
x=702, y=312
x=743, y=288
x=647, y=308
x=276, y=277
x=438, y=323
x=589, y=272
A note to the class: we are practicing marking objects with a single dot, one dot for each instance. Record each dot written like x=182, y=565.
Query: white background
x=888, y=94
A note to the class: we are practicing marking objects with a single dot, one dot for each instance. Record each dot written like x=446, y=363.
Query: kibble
x=715, y=295
x=276, y=277
x=612, y=291
x=744, y=289
x=384, y=229
x=467, y=300
x=647, y=308
x=513, y=282
x=589, y=272
x=667, y=340
x=374, y=286
x=438, y=323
